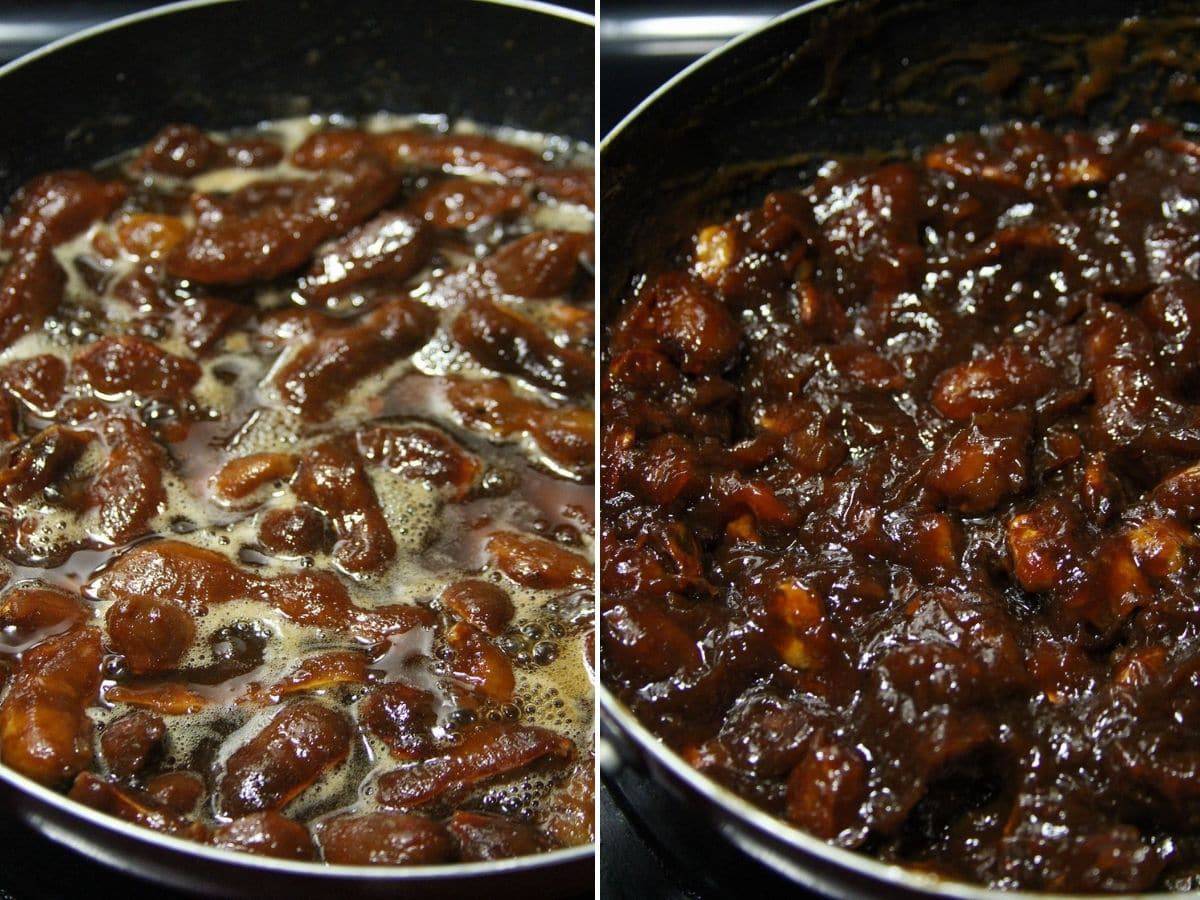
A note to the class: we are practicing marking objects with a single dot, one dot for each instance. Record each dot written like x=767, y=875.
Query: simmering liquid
x=296, y=495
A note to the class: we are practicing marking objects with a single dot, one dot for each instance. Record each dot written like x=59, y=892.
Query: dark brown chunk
x=479, y=664
x=267, y=229
x=37, y=381
x=179, y=150
x=30, y=289
x=45, y=212
x=42, y=462
x=129, y=744
x=332, y=149
x=482, y=836
x=298, y=531
x=997, y=381
x=384, y=839
x=460, y=151
x=986, y=462
x=56, y=207
x=173, y=571
x=301, y=743
x=566, y=434
x=542, y=264
x=480, y=603
x=45, y=733
x=152, y=634
x=485, y=752
x=422, y=453
x=569, y=814
x=194, y=578
x=513, y=344
x=253, y=153
x=332, y=361
x=131, y=806
x=645, y=641
x=323, y=671
x=332, y=479
x=164, y=698
x=571, y=185
x=128, y=490
x=463, y=204
x=204, y=321
x=537, y=563
x=266, y=834
x=185, y=151
x=392, y=245
x=825, y=790
x=681, y=316
x=241, y=477
x=177, y=791
x=402, y=717
x=31, y=607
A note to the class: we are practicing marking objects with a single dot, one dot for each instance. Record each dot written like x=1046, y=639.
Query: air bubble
x=510, y=644
x=544, y=653
x=460, y=718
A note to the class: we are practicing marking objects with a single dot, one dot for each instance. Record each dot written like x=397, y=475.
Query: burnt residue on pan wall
x=875, y=77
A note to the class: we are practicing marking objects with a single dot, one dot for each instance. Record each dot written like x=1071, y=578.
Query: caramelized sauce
x=898, y=523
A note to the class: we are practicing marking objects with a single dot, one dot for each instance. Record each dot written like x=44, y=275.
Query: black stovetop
x=33, y=867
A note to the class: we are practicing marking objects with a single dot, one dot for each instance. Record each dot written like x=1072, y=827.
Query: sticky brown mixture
x=900, y=484
x=296, y=435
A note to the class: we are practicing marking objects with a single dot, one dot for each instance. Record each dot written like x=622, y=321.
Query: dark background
x=26, y=24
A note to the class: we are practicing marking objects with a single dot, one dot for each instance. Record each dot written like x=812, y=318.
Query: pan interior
x=866, y=76
x=226, y=64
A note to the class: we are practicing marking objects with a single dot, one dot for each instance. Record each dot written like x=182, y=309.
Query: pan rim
x=683, y=74
x=565, y=856
x=764, y=825
x=627, y=727
x=308, y=868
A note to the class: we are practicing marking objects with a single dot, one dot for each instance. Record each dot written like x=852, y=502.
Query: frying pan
x=224, y=63
x=833, y=78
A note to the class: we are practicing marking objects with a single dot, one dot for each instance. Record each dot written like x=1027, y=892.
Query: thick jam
x=899, y=490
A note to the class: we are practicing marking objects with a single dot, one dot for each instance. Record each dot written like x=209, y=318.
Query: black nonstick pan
x=851, y=77
x=235, y=63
